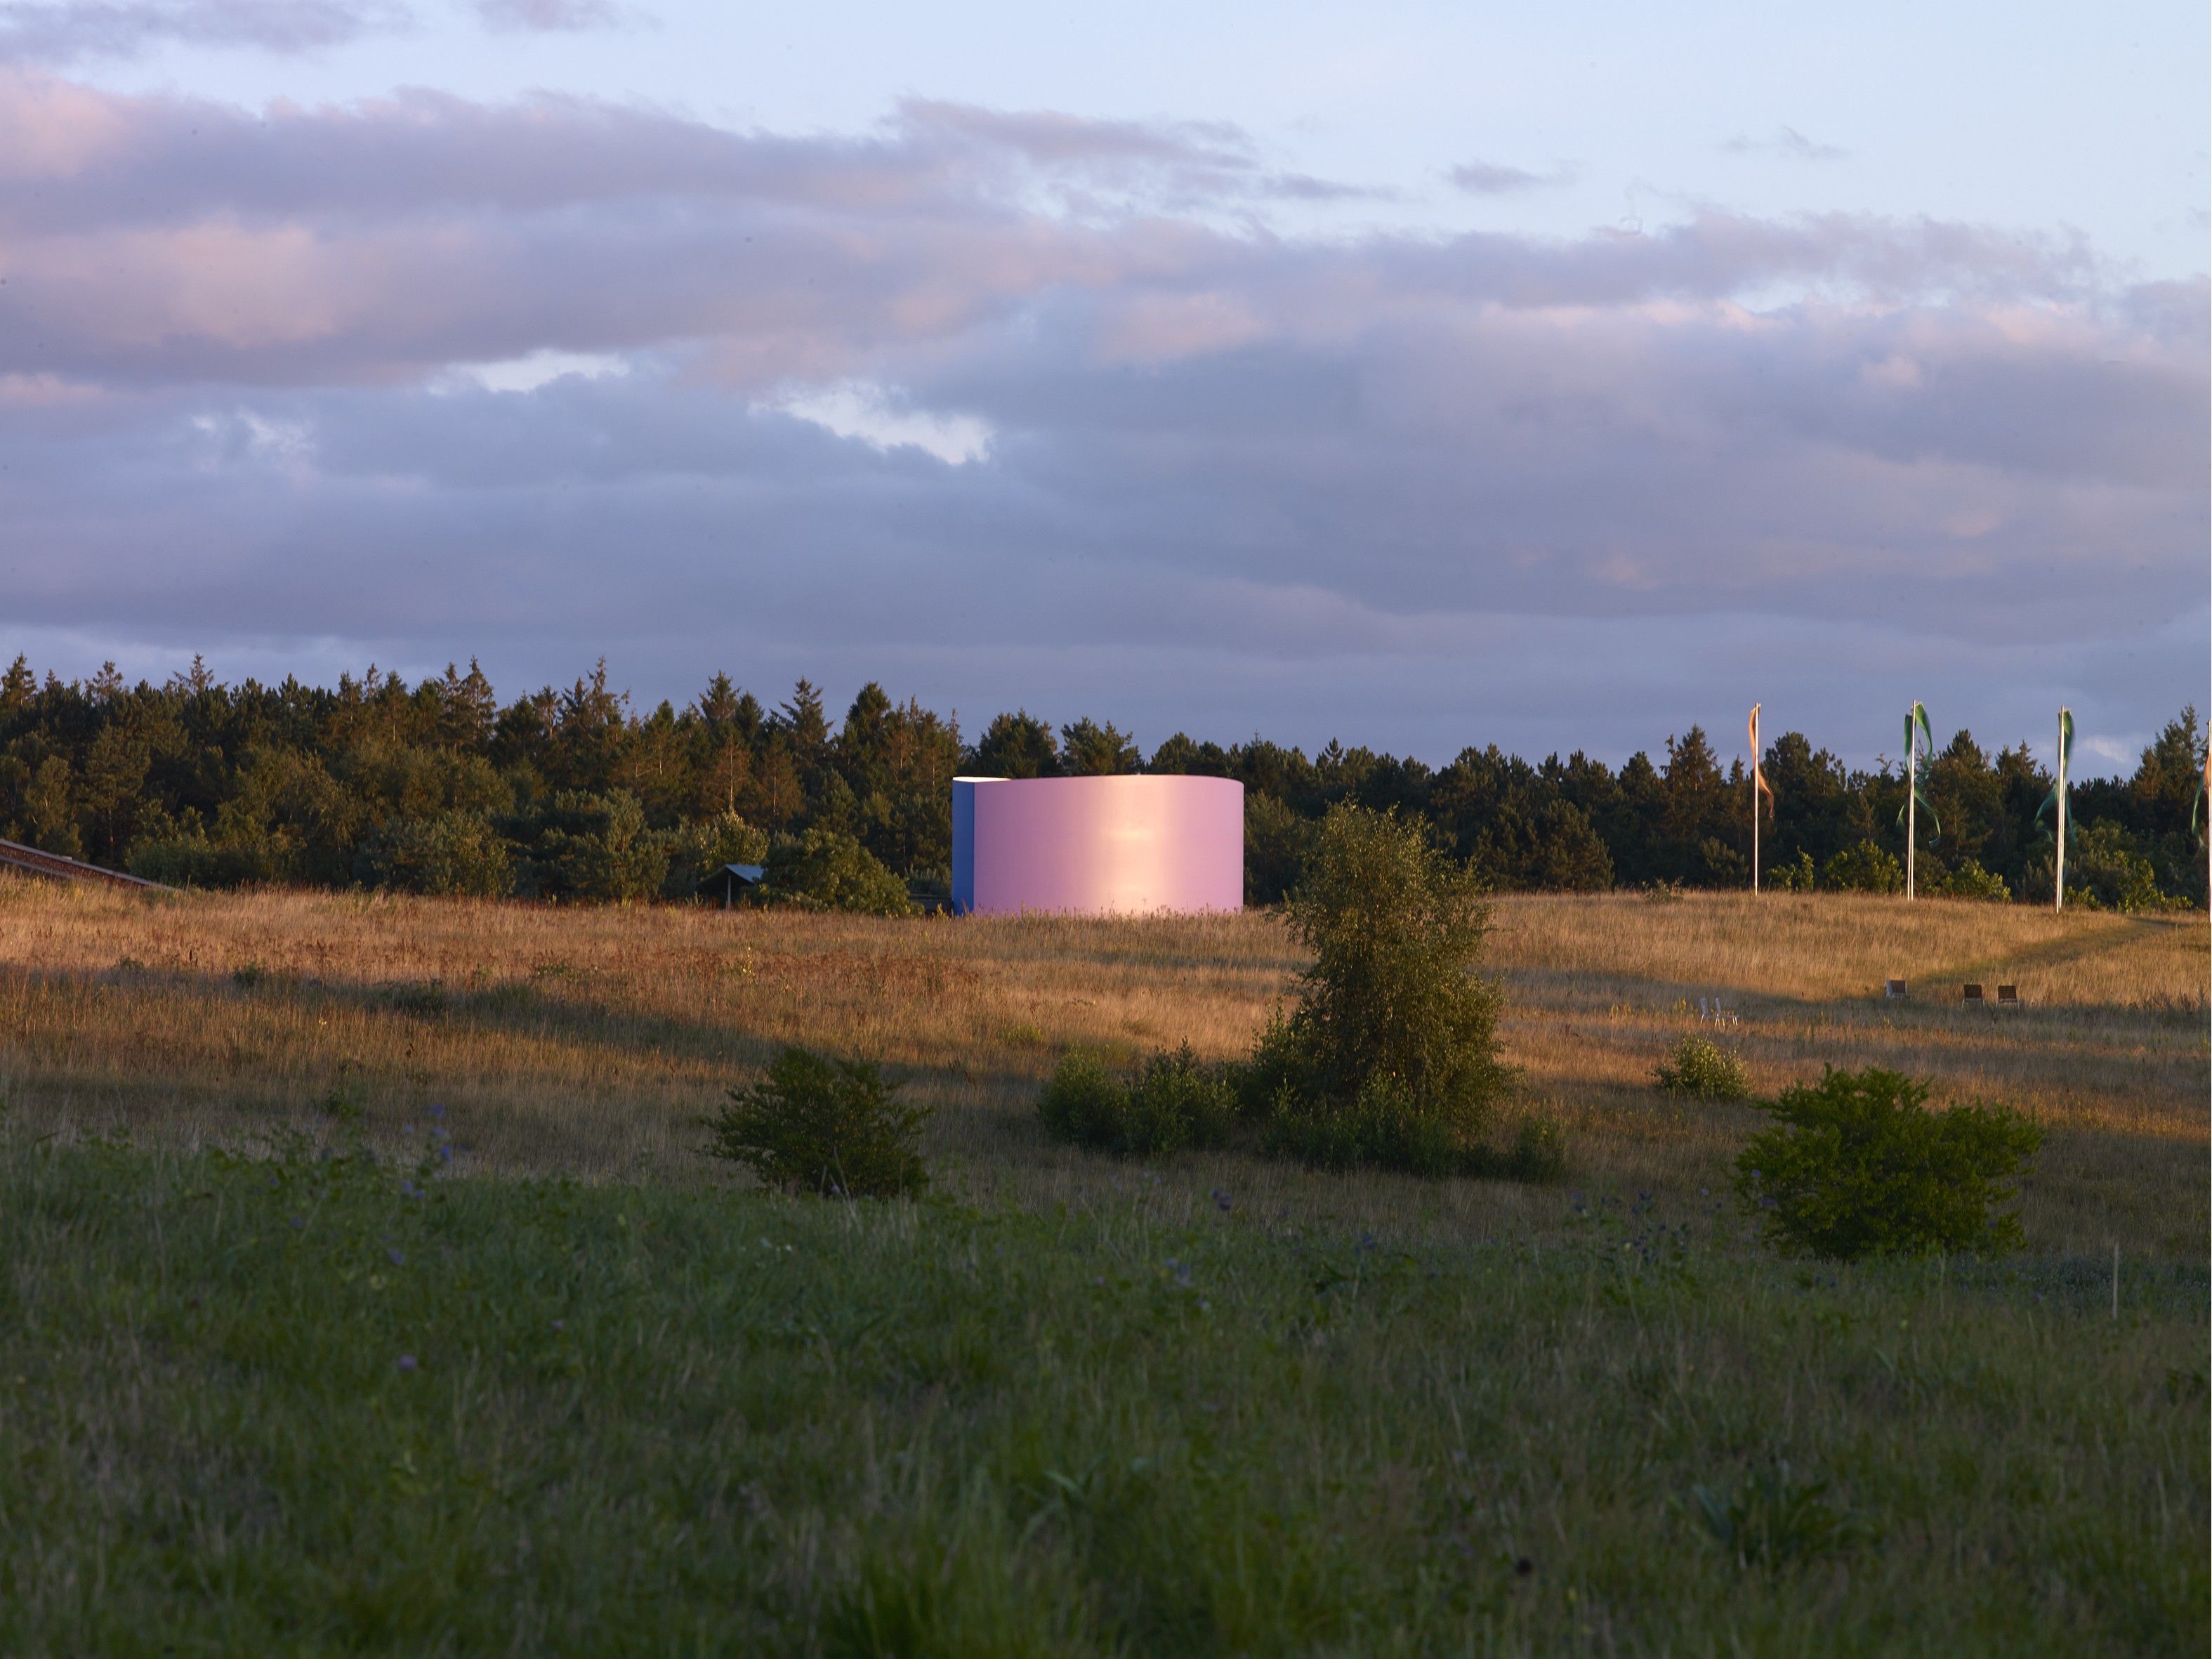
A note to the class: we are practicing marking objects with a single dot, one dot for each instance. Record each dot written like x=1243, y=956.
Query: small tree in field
x=1391, y=1055
x=823, y=1126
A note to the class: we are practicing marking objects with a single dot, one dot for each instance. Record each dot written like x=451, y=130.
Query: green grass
x=653, y=1420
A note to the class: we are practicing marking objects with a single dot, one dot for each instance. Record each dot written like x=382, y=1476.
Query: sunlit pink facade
x=1097, y=846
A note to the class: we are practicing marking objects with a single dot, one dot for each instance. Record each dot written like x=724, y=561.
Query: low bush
x=1173, y=1103
x=1857, y=1166
x=1084, y=1102
x=830, y=1127
x=2104, y=870
x=829, y=870
x=1383, y=1126
x=1865, y=868
x=1796, y=876
x=1698, y=1066
x=1971, y=881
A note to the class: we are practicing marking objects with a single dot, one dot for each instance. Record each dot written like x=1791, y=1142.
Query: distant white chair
x=1895, y=990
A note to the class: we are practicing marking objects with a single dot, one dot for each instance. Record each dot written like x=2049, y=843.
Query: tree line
x=438, y=787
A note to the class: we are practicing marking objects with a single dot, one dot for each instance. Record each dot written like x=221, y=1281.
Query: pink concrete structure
x=1097, y=846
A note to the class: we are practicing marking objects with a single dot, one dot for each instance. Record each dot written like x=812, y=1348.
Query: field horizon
x=588, y=1041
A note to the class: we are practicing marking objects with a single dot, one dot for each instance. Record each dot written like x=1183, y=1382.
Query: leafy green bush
x=1084, y=1102
x=1389, y=1059
x=1391, y=1055
x=816, y=1124
x=455, y=854
x=1797, y=876
x=1539, y=1153
x=1865, y=868
x=1971, y=881
x=2103, y=871
x=1173, y=1103
x=1857, y=1166
x=828, y=870
x=1698, y=1066
x=1380, y=1127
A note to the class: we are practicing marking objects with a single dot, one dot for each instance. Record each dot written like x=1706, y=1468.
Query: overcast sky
x=1554, y=377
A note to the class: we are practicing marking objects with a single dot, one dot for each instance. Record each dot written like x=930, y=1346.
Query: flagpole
x=2058, y=901
x=1912, y=799
x=1754, y=800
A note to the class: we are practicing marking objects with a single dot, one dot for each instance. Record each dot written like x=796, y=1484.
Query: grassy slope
x=588, y=1042
x=661, y=1420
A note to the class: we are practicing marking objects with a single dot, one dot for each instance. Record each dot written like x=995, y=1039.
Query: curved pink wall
x=1097, y=846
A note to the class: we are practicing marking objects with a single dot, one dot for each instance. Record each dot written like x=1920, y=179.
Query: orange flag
x=1758, y=784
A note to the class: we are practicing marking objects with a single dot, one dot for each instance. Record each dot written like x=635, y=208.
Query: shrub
x=1084, y=1103
x=1856, y=1166
x=1698, y=1066
x=824, y=1126
x=1795, y=876
x=1865, y=868
x=2103, y=871
x=451, y=855
x=1380, y=1127
x=1174, y=1103
x=1539, y=1153
x=828, y=870
x=1393, y=1033
x=1971, y=881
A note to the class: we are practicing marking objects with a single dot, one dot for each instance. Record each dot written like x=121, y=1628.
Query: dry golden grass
x=590, y=1041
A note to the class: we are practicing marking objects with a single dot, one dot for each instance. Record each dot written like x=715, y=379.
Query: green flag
x=1915, y=731
x=2065, y=761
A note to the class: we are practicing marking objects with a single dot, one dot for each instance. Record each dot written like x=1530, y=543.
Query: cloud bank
x=1016, y=407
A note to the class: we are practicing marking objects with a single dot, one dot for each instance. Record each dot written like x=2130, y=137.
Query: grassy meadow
x=588, y=1042
x=576, y=1389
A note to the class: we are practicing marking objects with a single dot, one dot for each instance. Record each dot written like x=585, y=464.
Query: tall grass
x=314, y=1405
x=590, y=1041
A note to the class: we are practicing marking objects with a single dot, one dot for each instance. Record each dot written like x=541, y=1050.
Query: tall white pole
x=1911, y=801
x=1754, y=800
x=2058, y=901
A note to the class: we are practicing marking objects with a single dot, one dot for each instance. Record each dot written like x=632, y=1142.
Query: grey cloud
x=1383, y=485
x=68, y=32
x=1789, y=143
x=1489, y=178
x=549, y=16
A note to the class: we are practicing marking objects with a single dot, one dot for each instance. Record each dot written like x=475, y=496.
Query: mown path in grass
x=316, y=1404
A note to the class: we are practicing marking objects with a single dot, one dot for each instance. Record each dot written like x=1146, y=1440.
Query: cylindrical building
x=1118, y=845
